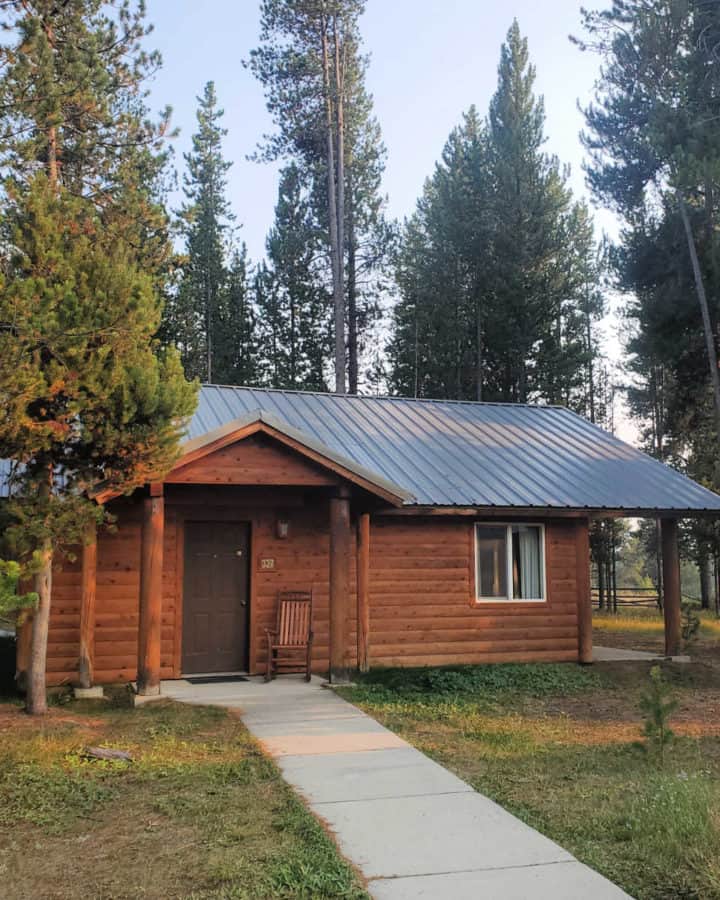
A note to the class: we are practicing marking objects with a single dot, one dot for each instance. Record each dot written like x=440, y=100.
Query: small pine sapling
x=658, y=705
x=690, y=625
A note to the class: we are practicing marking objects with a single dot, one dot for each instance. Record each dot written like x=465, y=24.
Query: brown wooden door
x=215, y=597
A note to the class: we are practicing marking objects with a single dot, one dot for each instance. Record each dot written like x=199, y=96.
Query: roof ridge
x=387, y=397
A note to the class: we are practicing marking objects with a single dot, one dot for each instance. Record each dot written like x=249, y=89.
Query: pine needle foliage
x=658, y=705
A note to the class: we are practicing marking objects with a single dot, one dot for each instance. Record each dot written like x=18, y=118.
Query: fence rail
x=637, y=597
x=630, y=596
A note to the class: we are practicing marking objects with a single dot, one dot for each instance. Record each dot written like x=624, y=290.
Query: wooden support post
x=87, y=609
x=363, y=592
x=151, y=566
x=339, y=584
x=671, y=586
x=584, y=594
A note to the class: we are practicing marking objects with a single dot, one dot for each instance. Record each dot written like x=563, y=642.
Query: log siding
x=417, y=582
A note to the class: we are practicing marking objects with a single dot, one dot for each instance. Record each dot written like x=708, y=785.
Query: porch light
x=282, y=528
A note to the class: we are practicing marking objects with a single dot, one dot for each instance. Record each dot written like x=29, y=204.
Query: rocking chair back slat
x=292, y=633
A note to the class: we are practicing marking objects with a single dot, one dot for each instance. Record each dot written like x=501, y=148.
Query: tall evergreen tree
x=494, y=269
x=653, y=133
x=295, y=307
x=196, y=318
x=313, y=71
x=86, y=398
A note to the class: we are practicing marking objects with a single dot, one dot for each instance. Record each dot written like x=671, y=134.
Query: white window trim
x=508, y=562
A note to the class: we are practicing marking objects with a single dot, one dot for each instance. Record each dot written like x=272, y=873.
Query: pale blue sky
x=430, y=60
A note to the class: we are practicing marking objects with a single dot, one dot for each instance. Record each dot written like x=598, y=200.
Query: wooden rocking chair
x=289, y=645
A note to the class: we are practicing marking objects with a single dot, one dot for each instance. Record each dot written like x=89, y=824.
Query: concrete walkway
x=615, y=654
x=411, y=827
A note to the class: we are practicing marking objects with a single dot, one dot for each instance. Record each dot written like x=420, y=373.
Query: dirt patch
x=15, y=717
x=107, y=857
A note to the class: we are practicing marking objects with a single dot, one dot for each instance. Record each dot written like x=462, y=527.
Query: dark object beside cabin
x=290, y=643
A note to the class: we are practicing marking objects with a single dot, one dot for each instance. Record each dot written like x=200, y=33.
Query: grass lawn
x=558, y=745
x=642, y=628
x=200, y=813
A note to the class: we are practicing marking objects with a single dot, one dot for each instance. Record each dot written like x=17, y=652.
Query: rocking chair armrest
x=271, y=632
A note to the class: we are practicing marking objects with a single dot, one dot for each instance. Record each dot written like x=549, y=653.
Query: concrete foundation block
x=92, y=693
x=143, y=699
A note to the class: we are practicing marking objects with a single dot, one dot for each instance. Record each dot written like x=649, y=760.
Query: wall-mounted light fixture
x=282, y=529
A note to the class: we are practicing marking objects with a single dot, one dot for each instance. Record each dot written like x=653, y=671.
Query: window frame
x=504, y=601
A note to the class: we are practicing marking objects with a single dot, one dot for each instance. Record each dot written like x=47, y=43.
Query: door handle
x=238, y=553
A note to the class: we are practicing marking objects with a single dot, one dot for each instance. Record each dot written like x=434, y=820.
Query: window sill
x=500, y=604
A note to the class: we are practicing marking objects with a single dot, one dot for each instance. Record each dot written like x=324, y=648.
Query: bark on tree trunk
x=36, y=699
x=480, y=360
x=704, y=309
x=704, y=567
x=336, y=254
x=352, y=314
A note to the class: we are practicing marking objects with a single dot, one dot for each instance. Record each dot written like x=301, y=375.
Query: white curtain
x=529, y=543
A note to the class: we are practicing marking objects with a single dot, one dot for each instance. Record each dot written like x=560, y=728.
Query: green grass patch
x=472, y=683
x=558, y=747
x=202, y=808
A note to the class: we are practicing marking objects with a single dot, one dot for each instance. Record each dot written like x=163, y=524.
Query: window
x=510, y=562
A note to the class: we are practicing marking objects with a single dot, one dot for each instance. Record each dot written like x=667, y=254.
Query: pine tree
x=236, y=350
x=86, y=397
x=197, y=324
x=495, y=265
x=653, y=133
x=310, y=63
x=296, y=309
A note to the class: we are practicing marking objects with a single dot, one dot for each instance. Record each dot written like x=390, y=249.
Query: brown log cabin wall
x=421, y=584
x=421, y=594
x=422, y=609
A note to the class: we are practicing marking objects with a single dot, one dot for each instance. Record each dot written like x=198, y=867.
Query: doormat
x=215, y=679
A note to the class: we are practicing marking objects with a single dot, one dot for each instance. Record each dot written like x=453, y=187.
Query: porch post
x=363, y=591
x=151, y=566
x=87, y=609
x=339, y=583
x=584, y=593
x=671, y=586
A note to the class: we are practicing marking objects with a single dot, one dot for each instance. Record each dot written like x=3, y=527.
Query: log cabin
x=430, y=532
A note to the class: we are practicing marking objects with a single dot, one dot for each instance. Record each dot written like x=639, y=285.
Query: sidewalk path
x=411, y=827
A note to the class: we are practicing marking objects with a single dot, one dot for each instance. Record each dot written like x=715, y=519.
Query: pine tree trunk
x=704, y=309
x=658, y=563
x=36, y=698
x=704, y=567
x=336, y=256
x=352, y=315
x=590, y=364
x=480, y=352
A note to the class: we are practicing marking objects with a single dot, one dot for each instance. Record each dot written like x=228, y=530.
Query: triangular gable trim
x=260, y=421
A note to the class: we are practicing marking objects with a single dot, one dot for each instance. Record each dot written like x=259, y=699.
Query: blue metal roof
x=456, y=453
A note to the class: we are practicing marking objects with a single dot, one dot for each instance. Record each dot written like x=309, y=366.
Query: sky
x=429, y=61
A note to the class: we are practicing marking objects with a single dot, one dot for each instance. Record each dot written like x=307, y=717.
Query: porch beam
x=339, y=584
x=363, y=592
x=88, y=578
x=671, y=586
x=151, y=566
x=584, y=593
